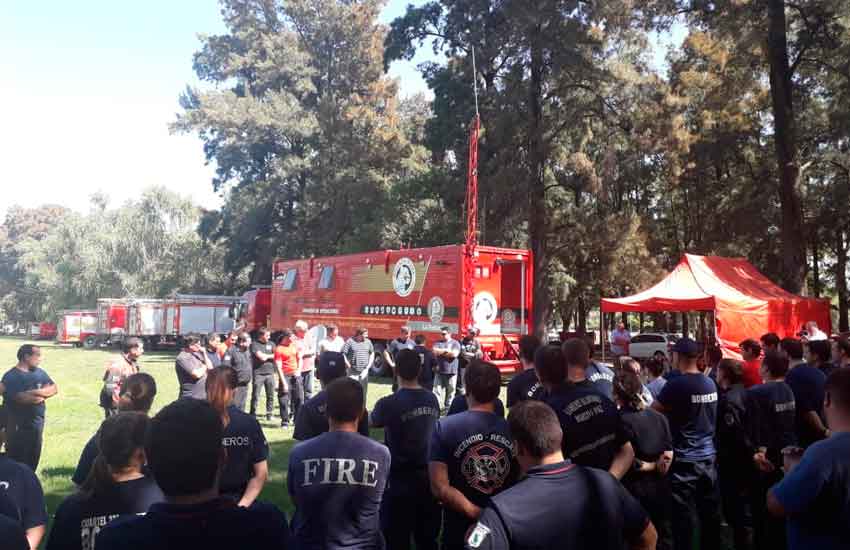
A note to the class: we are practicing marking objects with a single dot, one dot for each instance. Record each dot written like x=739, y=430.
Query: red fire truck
x=111, y=321
x=253, y=309
x=456, y=286
x=76, y=327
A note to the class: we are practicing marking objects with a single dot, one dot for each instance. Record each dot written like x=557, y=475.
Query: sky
x=87, y=90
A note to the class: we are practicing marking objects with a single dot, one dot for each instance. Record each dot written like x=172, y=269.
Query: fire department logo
x=436, y=309
x=404, y=277
x=485, y=467
x=484, y=309
x=508, y=317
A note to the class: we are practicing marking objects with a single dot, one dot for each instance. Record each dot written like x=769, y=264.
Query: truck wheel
x=90, y=342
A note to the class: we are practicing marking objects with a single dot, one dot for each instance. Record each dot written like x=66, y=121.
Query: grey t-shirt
x=444, y=364
x=185, y=364
x=358, y=353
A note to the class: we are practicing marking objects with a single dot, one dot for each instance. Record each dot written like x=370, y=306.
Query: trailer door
x=513, y=313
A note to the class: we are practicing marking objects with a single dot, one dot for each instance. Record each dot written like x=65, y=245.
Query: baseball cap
x=685, y=345
x=331, y=366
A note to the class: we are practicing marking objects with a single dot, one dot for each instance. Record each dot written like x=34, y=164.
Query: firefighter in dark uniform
x=735, y=450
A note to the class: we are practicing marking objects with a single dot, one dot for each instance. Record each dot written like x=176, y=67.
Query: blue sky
x=88, y=88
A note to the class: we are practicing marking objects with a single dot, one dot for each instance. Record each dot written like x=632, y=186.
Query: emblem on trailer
x=484, y=309
x=508, y=318
x=436, y=309
x=404, y=277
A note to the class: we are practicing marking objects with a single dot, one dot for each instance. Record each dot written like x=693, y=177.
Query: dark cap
x=686, y=346
x=331, y=366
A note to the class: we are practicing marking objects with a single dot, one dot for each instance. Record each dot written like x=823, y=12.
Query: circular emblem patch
x=485, y=467
x=484, y=309
x=508, y=318
x=404, y=277
x=436, y=309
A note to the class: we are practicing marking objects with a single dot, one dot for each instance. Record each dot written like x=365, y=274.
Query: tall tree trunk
x=841, y=281
x=816, y=263
x=537, y=213
x=581, y=327
x=785, y=140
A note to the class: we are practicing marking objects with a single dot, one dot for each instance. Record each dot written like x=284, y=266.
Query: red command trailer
x=76, y=327
x=254, y=309
x=111, y=321
x=424, y=288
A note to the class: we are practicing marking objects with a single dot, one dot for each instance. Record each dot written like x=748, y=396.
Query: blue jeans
x=307, y=382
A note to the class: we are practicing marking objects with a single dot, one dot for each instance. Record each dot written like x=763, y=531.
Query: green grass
x=74, y=415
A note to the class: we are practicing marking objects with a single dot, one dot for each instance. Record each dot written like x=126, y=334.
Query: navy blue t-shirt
x=807, y=383
x=459, y=405
x=816, y=496
x=560, y=506
x=80, y=518
x=215, y=525
x=87, y=458
x=525, y=386
x=246, y=445
x=426, y=375
x=602, y=377
x=17, y=381
x=312, y=419
x=13, y=535
x=593, y=430
x=337, y=481
x=21, y=486
x=771, y=417
x=214, y=357
x=477, y=450
x=408, y=418
x=690, y=402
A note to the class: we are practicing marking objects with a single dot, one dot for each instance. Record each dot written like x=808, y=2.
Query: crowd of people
x=635, y=455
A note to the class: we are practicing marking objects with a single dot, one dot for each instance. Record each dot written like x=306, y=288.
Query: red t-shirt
x=287, y=357
x=752, y=376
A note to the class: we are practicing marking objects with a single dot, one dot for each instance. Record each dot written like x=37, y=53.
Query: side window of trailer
x=326, y=280
x=289, y=278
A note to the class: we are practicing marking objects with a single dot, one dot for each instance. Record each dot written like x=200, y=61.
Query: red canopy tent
x=746, y=304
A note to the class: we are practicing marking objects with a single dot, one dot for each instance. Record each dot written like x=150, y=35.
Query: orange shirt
x=286, y=357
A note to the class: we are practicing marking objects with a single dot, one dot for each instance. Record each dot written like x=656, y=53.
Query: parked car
x=647, y=344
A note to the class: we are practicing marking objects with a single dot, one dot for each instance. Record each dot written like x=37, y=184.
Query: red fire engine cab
x=456, y=286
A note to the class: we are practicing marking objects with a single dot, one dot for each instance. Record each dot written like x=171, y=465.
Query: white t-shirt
x=331, y=345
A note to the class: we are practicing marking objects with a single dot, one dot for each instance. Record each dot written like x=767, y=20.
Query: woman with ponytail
x=136, y=395
x=649, y=433
x=116, y=486
x=247, y=469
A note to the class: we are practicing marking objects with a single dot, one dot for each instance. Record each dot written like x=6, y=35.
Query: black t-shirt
x=312, y=419
x=241, y=362
x=87, y=458
x=426, y=375
x=246, y=445
x=807, y=383
x=184, y=365
x=477, y=450
x=80, y=518
x=771, y=417
x=408, y=418
x=735, y=448
x=470, y=347
x=525, y=386
x=459, y=405
x=593, y=431
x=336, y=482
x=17, y=381
x=13, y=535
x=215, y=525
x=560, y=506
x=21, y=486
x=649, y=433
x=690, y=401
x=263, y=367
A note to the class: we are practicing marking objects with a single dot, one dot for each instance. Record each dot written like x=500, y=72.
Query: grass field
x=74, y=415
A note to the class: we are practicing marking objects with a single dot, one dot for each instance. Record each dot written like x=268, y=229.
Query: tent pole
x=602, y=329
